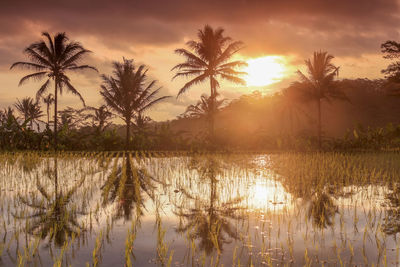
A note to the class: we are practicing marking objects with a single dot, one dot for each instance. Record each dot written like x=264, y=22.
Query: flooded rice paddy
x=176, y=209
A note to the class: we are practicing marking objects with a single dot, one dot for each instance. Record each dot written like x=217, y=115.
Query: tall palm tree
x=29, y=109
x=127, y=92
x=52, y=58
x=208, y=60
x=320, y=83
x=48, y=100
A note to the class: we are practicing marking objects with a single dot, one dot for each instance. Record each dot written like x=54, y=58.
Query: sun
x=265, y=70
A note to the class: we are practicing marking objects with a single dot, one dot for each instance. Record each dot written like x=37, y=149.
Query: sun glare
x=265, y=70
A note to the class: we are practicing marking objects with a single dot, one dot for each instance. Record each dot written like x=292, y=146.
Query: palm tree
x=48, y=100
x=128, y=93
x=208, y=61
x=203, y=108
x=320, y=83
x=290, y=107
x=29, y=109
x=52, y=60
x=141, y=122
x=100, y=118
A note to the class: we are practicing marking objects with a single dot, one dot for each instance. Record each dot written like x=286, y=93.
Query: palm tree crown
x=52, y=58
x=29, y=109
x=203, y=107
x=128, y=93
x=209, y=60
x=320, y=83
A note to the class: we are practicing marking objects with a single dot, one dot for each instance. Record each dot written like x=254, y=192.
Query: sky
x=149, y=32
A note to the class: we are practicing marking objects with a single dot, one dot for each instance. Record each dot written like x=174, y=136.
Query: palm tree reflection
x=207, y=218
x=125, y=187
x=322, y=209
x=52, y=215
x=391, y=225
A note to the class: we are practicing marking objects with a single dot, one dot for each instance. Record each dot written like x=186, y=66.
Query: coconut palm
x=29, y=109
x=203, y=107
x=289, y=106
x=48, y=100
x=128, y=93
x=208, y=60
x=320, y=83
x=52, y=58
x=100, y=117
x=141, y=122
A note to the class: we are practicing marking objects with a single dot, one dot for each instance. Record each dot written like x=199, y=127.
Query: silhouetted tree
x=204, y=107
x=100, y=118
x=29, y=109
x=52, y=60
x=141, y=122
x=127, y=93
x=208, y=61
x=289, y=105
x=48, y=100
x=320, y=83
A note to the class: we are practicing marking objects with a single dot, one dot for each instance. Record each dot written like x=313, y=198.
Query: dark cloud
x=278, y=25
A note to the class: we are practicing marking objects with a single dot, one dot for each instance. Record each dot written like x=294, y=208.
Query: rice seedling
x=290, y=209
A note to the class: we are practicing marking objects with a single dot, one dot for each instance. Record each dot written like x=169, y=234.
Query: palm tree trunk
x=319, y=124
x=212, y=110
x=128, y=133
x=48, y=115
x=56, y=177
x=55, y=115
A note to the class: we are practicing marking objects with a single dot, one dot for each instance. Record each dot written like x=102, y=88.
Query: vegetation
x=52, y=60
x=209, y=62
x=127, y=93
x=320, y=83
x=285, y=120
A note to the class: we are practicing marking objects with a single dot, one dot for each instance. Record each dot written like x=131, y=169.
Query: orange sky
x=149, y=31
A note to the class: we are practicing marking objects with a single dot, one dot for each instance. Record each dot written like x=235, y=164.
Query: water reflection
x=194, y=211
x=206, y=218
x=127, y=187
x=51, y=214
x=391, y=225
x=322, y=209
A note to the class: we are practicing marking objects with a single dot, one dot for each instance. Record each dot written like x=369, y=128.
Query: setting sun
x=264, y=70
